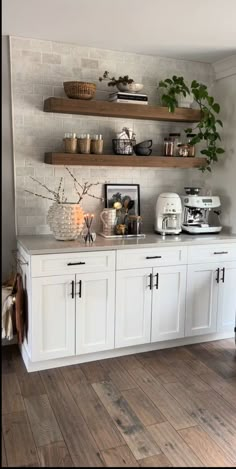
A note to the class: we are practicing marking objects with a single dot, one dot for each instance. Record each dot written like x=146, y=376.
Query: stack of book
x=124, y=97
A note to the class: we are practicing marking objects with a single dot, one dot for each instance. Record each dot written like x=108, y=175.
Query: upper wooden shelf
x=124, y=160
x=129, y=111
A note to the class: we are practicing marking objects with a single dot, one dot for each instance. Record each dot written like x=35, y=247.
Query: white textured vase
x=66, y=221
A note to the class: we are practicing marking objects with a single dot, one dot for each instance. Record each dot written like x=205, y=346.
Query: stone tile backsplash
x=38, y=69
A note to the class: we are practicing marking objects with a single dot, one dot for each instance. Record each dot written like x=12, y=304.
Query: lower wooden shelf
x=68, y=159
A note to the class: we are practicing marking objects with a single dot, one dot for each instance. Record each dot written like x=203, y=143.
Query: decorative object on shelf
x=84, y=143
x=124, y=83
x=125, y=198
x=124, y=143
x=70, y=142
x=130, y=98
x=191, y=147
x=97, y=144
x=109, y=219
x=79, y=89
x=88, y=236
x=143, y=148
x=66, y=219
x=207, y=127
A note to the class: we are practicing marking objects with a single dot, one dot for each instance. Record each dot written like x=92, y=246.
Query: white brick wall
x=38, y=69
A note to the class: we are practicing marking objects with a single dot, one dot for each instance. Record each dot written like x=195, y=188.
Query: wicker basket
x=79, y=89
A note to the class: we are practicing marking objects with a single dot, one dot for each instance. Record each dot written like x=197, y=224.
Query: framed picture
x=123, y=197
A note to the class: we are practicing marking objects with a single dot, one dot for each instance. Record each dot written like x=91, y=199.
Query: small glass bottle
x=177, y=141
x=191, y=148
x=183, y=149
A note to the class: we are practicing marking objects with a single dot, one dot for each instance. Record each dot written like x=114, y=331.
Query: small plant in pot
x=124, y=83
x=207, y=129
x=66, y=219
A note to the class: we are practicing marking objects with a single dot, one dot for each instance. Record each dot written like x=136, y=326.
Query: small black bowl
x=142, y=151
x=144, y=144
x=192, y=190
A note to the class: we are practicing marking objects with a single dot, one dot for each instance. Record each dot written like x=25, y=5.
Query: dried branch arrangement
x=58, y=195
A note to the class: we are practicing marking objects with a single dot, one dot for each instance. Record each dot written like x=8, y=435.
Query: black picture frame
x=131, y=191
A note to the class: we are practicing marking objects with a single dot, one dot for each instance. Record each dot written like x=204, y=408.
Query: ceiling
x=201, y=30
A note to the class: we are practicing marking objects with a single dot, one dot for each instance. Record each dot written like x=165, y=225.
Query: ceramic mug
x=109, y=218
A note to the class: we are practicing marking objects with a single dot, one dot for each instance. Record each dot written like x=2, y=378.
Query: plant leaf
x=216, y=107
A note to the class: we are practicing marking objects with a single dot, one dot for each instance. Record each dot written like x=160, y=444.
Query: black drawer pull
x=221, y=252
x=223, y=276
x=72, y=289
x=150, y=284
x=157, y=281
x=80, y=288
x=153, y=257
x=218, y=275
x=76, y=263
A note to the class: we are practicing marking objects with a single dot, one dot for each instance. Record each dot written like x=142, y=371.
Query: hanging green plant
x=209, y=122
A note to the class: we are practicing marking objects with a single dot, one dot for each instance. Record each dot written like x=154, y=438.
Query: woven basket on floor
x=79, y=89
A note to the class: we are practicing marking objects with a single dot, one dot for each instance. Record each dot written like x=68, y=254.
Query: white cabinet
x=227, y=297
x=133, y=307
x=53, y=322
x=211, y=298
x=202, y=299
x=95, y=312
x=168, y=304
x=150, y=305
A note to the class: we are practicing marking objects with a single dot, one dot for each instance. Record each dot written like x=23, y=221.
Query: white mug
x=108, y=217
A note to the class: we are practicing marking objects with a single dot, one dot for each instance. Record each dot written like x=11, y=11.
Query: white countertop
x=47, y=244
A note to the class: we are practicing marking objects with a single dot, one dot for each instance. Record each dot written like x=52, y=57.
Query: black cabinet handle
x=153, y=257
x=218, y=275
x=73, y=289
x=221, y=252
x=223, y=276
x=150, y=284
x=157, y=281
x=80, y=289
x=76, y=263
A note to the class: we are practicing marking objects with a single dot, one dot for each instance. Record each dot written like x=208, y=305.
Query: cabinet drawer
x=58, y=264
x=154, y=257
x=211, y=253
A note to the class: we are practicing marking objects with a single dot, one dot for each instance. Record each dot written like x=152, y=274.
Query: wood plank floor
x=169, y=408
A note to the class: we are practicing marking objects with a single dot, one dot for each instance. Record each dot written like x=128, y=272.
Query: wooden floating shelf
x=122, y=110
x=123, y=160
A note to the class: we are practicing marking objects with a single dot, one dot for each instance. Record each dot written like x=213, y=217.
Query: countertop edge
x=110, y=245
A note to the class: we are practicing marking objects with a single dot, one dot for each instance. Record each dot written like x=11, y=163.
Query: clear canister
x=177, y=141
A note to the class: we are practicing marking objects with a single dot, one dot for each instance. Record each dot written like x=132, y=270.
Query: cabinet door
x=168, y=304
x=53, y=320
x=133, y=307
x=227, y=298
x=202, y=299
x=95, y=312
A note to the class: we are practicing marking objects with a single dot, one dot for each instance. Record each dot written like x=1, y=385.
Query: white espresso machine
x=168, y=214
x=201, y=214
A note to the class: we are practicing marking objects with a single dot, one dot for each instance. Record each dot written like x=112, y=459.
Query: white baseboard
x=74, y=360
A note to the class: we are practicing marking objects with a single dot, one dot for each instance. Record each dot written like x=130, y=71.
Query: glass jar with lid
x=177, y=141
x=183, y=149
x=191, y=147
x=168, y=146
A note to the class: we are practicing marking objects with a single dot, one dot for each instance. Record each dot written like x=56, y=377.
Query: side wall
x=8, y=204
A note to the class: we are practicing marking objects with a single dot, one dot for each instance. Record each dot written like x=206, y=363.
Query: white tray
x=122, y=236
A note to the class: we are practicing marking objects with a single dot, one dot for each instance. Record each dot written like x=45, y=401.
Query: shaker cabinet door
x=168, y=305
x=227, y=298
x=202, y=299
x=95, y=312
x=133, y=307
x=53, y=321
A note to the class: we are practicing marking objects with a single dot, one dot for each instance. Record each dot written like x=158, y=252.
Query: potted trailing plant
x=124, y=83
x=66, y=219
x=207, y=128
